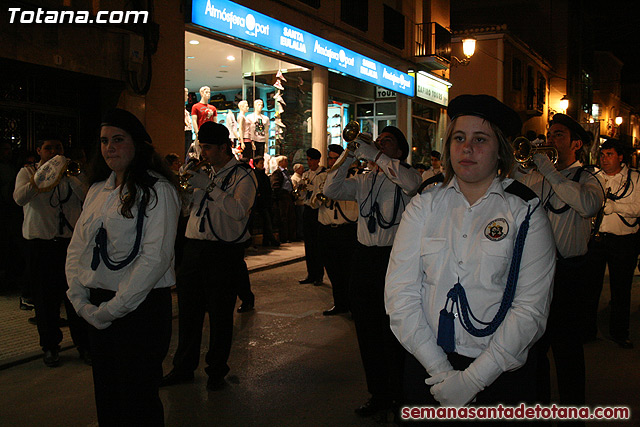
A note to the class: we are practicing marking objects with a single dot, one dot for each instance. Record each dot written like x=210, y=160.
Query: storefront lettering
x=249, y=22
x=330, y=54
x=293, y=40
x=397, y=80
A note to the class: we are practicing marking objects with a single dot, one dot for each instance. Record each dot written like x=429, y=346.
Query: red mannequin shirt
x=205, y=113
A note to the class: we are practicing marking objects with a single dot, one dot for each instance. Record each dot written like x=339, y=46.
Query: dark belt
x=599, y=237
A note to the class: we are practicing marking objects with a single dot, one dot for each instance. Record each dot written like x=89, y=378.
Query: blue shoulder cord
x=458, y=298
x=100, y=249
x=375, y=216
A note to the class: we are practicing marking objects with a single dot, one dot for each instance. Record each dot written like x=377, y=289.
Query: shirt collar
x=495, y=188
x=111, y=182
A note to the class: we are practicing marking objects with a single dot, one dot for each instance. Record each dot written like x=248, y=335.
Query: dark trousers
x=127, y=361
x=299, y=226
x=49, y=286
x=564, y=336
x=207, y=281
x=244, y=284
x=259, y=151
x=267, y=225
x=287, y=214
x=382, y=355
x=313, y=258
x=510, y=388
x=619, y=253
x=337, y=244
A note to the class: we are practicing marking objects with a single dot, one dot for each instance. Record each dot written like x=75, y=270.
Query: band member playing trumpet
x=337, y=236
x=213, y=265
x=614, y=244
x=381, y=196
x=49, y=219
x=570, y=195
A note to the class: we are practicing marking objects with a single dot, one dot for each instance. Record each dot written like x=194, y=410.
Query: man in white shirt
x=312, y=179
x=213, y=262
x=381, y=196
x=49, y=219
x=614, y=244
x=571, y=195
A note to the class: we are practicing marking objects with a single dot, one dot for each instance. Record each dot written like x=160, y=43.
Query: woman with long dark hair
x=120, y=266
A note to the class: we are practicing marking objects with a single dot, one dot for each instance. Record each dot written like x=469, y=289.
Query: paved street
x=290, y=366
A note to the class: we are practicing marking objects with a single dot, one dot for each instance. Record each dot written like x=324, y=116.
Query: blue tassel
x=446, y=331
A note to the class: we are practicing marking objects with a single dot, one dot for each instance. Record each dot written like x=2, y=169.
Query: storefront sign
x=238, y=21
x=384, y=93
x=432, y=88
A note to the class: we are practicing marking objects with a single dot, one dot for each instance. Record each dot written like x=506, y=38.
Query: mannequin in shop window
x=244, y=130
x=203, y=112
x=259, y=124
x=188, y=128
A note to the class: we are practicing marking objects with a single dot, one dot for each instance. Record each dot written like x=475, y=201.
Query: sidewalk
x=19, y=339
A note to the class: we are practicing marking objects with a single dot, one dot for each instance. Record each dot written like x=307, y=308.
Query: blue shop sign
x=243, y=23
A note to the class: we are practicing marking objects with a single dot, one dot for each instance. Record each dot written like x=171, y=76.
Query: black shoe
x=624, y=343
x=318, y=282
x=245, y=307
x=215, y=384
x=372, y=407
x=51, y=358
x=176, y=377
x=306, y=281
x=32, y=320
x=26, y=304
x=334, y=311
x=85, y=355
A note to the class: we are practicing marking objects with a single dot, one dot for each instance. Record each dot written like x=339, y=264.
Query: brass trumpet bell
x=351, y=132
x=192, y=166
x=524, y=150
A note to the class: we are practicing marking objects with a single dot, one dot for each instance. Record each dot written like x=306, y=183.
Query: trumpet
x=351, y=134
x=73, y=169
x=524, y=150
x=193, y=165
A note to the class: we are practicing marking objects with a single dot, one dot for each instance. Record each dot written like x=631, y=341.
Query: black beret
x=126, y=121
x=488, y=108
x=314, y=154
x=563, y=119
x=335, y=148
x=403, y=145
x=213, y=133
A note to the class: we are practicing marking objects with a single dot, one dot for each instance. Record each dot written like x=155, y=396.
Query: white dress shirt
x=627, y=206
x=336, y=212
x=152, y=268
x=229, y=205
x=572, y=228
x=443, y=240
x=313, y=179
x=378, y=186
x=42, y=210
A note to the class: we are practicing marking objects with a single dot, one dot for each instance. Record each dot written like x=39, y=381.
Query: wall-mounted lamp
x=468, y=48
x=618, y=120
x=564, y=103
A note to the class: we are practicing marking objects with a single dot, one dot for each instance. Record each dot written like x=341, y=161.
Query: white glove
x=438, y=378
x=610, y=207
x=367, y=152
x=200, y=180
x=543, y=163
x=88, y=313
x=454, y=389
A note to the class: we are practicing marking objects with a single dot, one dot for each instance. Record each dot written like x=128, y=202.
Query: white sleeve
x=404, y=295
x=337, y=186
x=237, y=205
x=400, y=173
x=24, y=191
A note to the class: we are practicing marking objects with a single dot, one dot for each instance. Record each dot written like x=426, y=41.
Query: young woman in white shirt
x=120, y=266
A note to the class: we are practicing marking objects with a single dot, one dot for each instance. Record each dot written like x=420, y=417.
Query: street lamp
x=618, y=120
x=564, y=103
x=468, y=48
